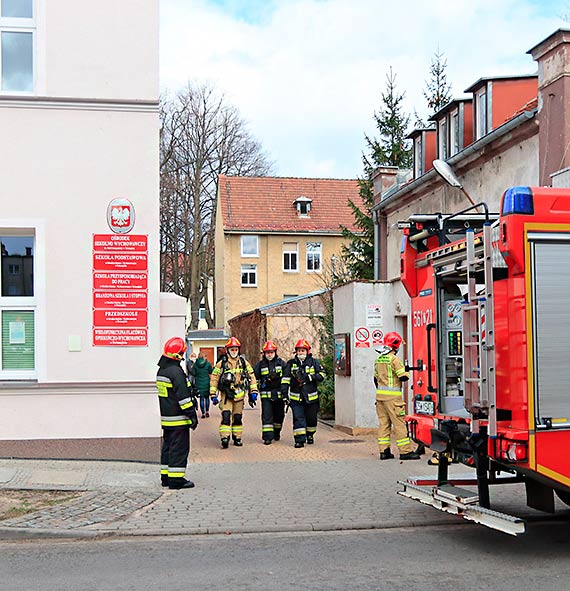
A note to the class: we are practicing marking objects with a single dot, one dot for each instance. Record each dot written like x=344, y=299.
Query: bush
x=326, y=398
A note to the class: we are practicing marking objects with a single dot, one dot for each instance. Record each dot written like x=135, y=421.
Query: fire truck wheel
x=564, y=496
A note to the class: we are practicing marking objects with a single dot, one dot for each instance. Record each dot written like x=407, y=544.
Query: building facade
x=277, y=238
x=80, y=307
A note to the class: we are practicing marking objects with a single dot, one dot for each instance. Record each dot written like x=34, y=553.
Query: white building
x=80, y=308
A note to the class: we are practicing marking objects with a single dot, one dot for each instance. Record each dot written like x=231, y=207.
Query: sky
x=307, y=75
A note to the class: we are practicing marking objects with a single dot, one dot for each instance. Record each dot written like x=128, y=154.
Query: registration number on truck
x=424, y=407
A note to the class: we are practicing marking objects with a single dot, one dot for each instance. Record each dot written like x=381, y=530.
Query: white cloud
x=308, y=75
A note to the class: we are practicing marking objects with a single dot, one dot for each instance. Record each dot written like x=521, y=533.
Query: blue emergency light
x=518, y=200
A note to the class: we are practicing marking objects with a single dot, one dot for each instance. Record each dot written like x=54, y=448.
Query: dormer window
x=303, y=206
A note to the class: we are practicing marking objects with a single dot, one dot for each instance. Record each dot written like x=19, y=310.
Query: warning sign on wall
x=362, y=337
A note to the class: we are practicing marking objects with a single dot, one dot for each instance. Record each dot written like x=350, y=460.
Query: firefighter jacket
x=269, y=374
x=177, y=406
x=233, y=377
x=301, y=379
x=388, y=373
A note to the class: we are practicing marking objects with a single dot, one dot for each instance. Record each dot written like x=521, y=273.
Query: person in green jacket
x=201, y=370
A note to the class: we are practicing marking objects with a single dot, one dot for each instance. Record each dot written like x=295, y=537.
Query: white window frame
x=481, y=109
x=24, y=304
x=21, y=25
x=290, y=252
x=319, y=252
x=245, y=255
x=418, y=157
x=454, y=131
x=250, y=270
x=443, y=148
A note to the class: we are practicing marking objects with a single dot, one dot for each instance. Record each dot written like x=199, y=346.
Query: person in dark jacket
x=269, y=371
x=201, y=370
x=177, y=414
x=299, y=385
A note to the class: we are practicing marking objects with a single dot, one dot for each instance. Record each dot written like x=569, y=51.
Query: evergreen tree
x=391, y=149
x=438, y=90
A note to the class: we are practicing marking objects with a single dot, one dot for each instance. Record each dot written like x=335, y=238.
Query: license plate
x=424, y=407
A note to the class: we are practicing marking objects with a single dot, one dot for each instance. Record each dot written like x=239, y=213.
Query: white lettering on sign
x=422, y=317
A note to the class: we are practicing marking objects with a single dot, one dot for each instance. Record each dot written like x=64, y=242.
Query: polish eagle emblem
x=121, y=216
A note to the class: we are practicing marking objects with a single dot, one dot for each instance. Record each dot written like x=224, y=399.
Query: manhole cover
x=347, y=441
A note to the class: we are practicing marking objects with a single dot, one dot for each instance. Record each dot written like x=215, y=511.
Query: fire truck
x=490, y=316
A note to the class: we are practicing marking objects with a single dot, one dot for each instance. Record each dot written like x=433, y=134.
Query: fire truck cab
x=490, y=319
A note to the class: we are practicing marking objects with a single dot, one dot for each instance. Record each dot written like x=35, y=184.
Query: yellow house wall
x=272, y=282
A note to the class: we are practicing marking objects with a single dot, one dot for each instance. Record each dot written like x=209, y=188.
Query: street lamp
x=446, y=173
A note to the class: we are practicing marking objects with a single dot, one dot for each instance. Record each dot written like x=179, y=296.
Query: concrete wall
x=355, y=395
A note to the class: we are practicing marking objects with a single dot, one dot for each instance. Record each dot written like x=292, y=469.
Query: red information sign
x=110, y=318
x=120, y=299
x=120, y=280
x=120, y=336
x=119, y=261
x=120, y=243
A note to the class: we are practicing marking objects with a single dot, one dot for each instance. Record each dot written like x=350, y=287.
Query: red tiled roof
x=267, y=204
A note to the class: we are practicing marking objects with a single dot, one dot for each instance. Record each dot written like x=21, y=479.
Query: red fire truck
x=490, y=300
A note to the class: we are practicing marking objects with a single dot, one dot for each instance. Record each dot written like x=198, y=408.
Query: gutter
x=457, y=158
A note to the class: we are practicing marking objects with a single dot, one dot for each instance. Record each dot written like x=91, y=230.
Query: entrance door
x=208, y=353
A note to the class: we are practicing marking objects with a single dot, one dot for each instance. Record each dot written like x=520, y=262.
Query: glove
x=215, y=400
x=252, y=399
x=194, y=418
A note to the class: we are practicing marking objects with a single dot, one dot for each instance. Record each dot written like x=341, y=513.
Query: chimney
x=383, y=178
x=553, y=58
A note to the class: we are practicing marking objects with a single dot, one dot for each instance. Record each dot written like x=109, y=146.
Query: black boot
x=225, y=442
x=386, y=455
x=310, y=439
x=238, y=442
x=277, y=436
x=299, y=444
x=164, y=480
x=180, y=483
x=412, y=455
x=267, y=442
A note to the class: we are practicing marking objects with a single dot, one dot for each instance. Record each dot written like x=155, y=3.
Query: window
x=442, y=136
x=481, y=108
x=303, y=205
x=249, y=275
x=202, y=312
x=290, y=296
x=249, y=246
x=454, y=133
x=17, y=30
x=314, y=253
x=418, y=157
x=17, y=306
x=290, y=256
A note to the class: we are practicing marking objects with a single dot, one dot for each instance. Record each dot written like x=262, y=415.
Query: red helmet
x=232, y=342
x=393, y=340
x=269, y=346
x=175, y=348
x=303, y=344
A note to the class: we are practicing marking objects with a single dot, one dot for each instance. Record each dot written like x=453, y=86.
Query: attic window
x=303, y=206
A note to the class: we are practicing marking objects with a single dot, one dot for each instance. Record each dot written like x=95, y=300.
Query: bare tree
x=201, y=137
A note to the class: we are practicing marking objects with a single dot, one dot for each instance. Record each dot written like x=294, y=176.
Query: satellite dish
x=444, y=170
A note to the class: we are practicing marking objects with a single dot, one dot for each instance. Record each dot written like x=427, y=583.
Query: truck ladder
x=479, y=337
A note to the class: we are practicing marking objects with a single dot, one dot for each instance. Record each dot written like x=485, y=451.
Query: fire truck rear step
x=462, y=502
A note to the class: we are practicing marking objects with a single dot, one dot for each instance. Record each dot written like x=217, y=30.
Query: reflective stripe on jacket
x=310, y=372
x=388, y=369
x=176, y=402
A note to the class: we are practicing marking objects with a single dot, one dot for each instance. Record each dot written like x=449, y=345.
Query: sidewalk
x=336, y=484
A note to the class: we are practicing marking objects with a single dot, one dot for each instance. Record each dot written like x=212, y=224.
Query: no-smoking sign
x=362, y=337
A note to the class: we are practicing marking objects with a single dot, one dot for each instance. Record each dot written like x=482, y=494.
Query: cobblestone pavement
x=336, y=484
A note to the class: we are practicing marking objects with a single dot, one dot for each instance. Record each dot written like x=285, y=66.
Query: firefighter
x=299, y=384
x=389, y=374
x=178, y=415
x=269, y=371
x=233, y=378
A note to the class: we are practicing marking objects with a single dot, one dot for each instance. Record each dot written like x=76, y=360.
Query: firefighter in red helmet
x=233, y=378
x=299, y=384
x=178, y=415
x=269, y=372
x=389, y=375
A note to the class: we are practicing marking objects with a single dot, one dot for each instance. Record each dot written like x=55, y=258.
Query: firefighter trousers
x=174, y=454
x=391, y=411
x=232, y=413
x=304, y=419
x=272, y=415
